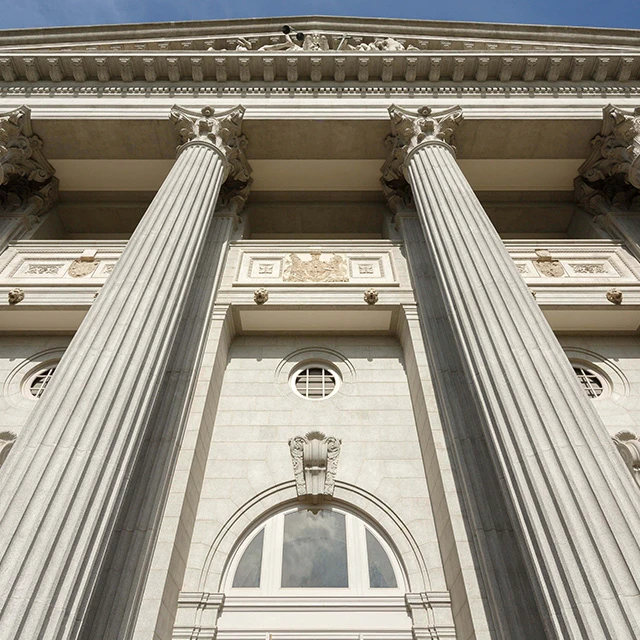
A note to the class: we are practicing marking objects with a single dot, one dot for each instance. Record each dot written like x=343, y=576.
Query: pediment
x=346, y=35
x=336, y=50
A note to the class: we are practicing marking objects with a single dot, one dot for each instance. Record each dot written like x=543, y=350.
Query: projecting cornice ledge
x=609, y=180
x=27, y=184
x=342, y=67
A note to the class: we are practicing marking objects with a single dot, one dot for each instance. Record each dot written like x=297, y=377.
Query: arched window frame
x=272, y=554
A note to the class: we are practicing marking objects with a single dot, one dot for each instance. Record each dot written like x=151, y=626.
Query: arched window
x=305, y=547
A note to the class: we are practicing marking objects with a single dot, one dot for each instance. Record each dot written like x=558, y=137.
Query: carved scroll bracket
x=27, y=185
x=222, y=130
x=628, y=446
x=315, y=464
x=409, y=131
x=610, y=177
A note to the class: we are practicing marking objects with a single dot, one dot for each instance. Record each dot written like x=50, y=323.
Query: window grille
x=590, y=381
x=40, y=381
x=315, y=382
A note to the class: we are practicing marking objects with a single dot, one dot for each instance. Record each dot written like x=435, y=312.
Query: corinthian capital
x=610, y=177
x=616, y=149
x=27, y=185
x=222, y=130
x=409, y=131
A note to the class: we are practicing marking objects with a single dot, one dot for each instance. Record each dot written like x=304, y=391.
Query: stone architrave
x=576, y=514
x=62, y=498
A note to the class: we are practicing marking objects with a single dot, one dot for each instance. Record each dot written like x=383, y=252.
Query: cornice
x=318, y=68
x=543, y=34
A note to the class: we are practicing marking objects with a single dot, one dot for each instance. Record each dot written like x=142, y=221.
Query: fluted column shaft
x=68, y=473
x=577, y=512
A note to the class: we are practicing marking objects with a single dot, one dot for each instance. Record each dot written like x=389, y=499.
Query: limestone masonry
x=319, y=329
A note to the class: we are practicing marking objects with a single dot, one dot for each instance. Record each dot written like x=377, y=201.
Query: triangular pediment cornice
x=328, y=50
x=259, y=32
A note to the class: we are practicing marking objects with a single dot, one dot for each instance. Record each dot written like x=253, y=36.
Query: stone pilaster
x=431, y=615
x=570, y=499
x=28, y=188
x=71, y=471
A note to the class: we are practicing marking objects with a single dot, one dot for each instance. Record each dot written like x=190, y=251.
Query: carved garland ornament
x=222, y=130
x=610, y=177
x=408, y=131
x=315, y=464
x=27, y=184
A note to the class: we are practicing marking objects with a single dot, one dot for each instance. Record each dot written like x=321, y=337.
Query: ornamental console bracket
x=28, y=187
x=408, y=131
x=315, y=464
x=609, y=180
x=628, y=446
x=222, y=130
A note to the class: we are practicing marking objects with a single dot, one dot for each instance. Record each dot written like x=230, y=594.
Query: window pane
x=315, y=549
x=381, y=574
x=248, y=571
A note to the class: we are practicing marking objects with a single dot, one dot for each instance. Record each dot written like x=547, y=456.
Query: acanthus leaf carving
x=610, y=177
x=224, y=131
x=315, y=464
x=409, y=130
x=27, y=183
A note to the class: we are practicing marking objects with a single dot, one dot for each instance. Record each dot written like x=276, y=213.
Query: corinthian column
x=574, y=506
x=71, y=469
x=28, y=188
x=608, y=185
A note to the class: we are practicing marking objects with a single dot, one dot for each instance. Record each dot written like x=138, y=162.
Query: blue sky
x=597, y=13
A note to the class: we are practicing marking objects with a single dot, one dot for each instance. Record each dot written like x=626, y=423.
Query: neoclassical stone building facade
x=319, y=330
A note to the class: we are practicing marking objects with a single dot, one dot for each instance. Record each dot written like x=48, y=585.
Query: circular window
x=315, y=381
x=590, y=381
x=40, y=380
